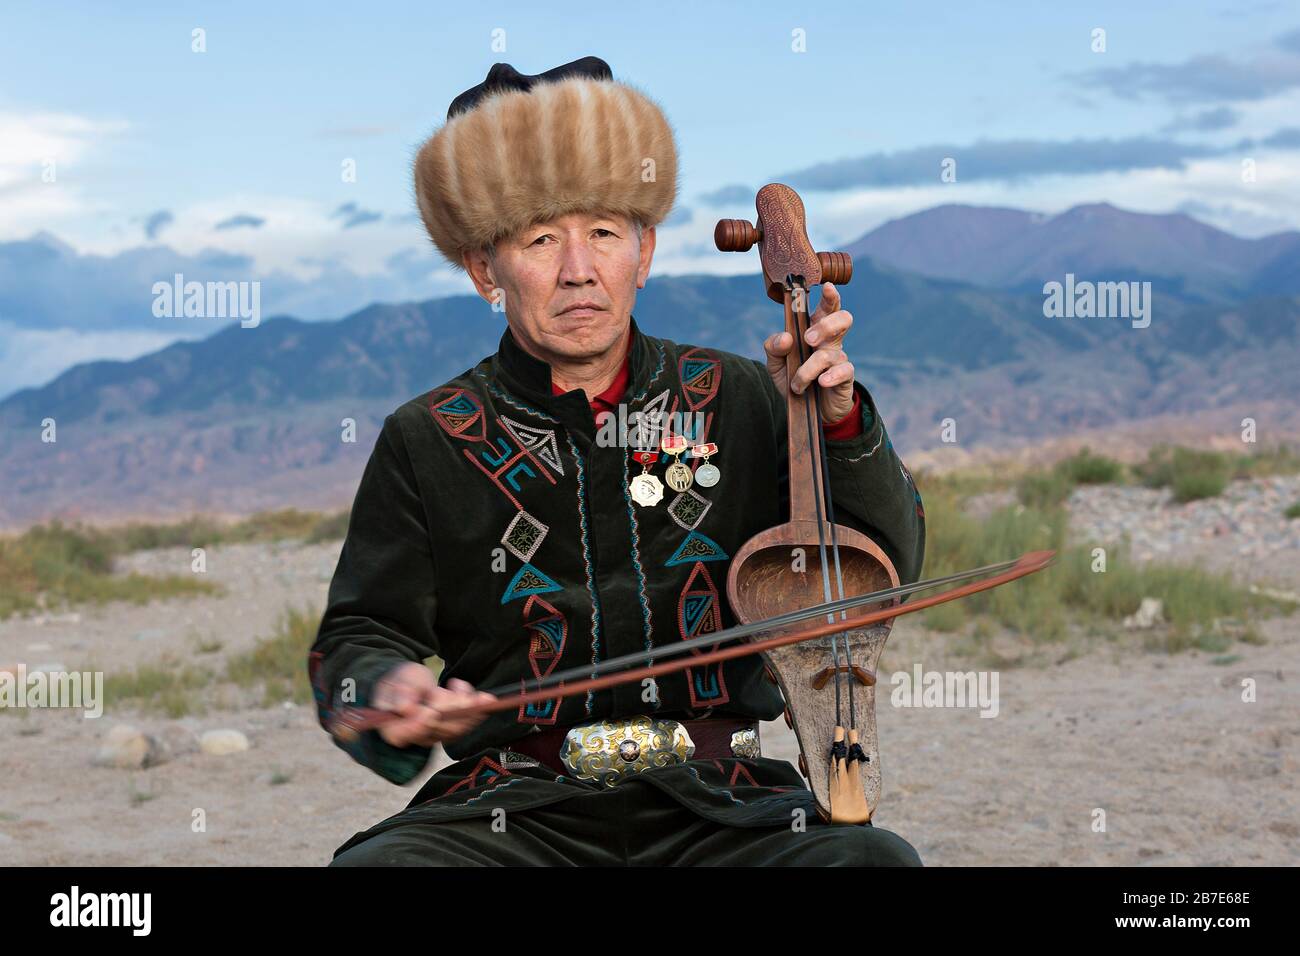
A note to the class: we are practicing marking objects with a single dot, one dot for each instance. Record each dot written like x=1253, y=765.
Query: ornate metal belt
x=610, y=750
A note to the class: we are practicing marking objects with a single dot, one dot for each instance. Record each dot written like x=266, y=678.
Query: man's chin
x=582, y=337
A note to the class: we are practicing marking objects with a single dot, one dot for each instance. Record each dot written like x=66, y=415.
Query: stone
x=127, y=748
x=222, y=742
x=1149, y=613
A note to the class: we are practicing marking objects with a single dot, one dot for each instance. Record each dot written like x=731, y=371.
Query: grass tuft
x=54, y=565
x=277, y=664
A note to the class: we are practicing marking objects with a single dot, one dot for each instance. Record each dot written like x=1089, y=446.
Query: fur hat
x=517, y=150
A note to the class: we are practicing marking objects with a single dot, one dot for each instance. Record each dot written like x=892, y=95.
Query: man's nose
x=578, y=266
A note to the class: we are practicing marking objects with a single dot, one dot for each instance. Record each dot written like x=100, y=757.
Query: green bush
x=1085, y=468
x=1195, y=485
x=1189, y=472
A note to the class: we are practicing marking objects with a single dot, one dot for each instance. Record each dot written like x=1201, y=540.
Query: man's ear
x=479, y=267
x=647, y=254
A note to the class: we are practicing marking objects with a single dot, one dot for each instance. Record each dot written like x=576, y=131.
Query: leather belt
x=606, y=751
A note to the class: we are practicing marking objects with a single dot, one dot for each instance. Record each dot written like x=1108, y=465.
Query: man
x=498, y=527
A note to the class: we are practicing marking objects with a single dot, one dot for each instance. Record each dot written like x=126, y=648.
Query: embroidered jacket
x=493, y=527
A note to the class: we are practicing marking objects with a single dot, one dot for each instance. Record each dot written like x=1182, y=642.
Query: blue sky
x=228, y=161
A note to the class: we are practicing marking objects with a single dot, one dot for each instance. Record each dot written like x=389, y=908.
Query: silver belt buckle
x=608, y=750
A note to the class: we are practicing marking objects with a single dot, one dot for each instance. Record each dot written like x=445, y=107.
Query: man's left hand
x=828, y=365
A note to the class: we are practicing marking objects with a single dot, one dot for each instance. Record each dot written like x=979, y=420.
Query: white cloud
x=33, y=144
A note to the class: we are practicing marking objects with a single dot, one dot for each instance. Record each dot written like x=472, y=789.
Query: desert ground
x=1185, y=770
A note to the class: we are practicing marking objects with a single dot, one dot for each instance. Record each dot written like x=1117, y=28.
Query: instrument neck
x=805, y=462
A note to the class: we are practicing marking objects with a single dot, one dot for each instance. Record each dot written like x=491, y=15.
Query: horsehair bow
x=619, y=670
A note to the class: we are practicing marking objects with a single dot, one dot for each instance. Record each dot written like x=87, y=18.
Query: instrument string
x=824, y=465
x=816, y=448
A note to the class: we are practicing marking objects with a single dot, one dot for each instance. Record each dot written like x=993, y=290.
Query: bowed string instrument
x=821, y=628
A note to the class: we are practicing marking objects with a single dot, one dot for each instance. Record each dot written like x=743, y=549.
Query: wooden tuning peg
x=736, y=235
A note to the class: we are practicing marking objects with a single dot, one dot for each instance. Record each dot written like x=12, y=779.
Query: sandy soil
x=1186, y=772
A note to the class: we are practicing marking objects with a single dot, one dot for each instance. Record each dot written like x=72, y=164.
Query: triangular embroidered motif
x=649, y=423
x=694, y=609
x=528, y=580
x=540, y=441
x=695, y=368
x=548, y=636
x=696, y=547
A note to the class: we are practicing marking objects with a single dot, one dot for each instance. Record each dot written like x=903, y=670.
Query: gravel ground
x=1184, y=770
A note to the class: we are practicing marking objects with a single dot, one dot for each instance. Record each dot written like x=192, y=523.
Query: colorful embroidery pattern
x=696, y=547
x=547, y=635
x=528, y=580
x=688, y=509
x=458, y=412
x=537, y=447
x=540, y=441
x=485, y=772
x=699, y=612
x=524, y=536
x=701, y=375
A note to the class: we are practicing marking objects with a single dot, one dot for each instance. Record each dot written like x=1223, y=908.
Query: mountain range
x=949, y=323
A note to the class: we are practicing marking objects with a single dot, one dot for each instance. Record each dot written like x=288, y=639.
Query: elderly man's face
x=569, y=284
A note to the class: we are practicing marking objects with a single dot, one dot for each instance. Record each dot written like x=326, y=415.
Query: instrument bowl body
x=780, y=569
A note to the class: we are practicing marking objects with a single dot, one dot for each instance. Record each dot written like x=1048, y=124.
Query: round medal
x=647, y=490
x=707, y=475
x=678, y=476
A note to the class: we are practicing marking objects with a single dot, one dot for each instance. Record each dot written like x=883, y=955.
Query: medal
x=678, y=475
x=645, y=488
x=706, y=474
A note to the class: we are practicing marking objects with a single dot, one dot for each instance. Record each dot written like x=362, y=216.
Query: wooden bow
x=348, y=722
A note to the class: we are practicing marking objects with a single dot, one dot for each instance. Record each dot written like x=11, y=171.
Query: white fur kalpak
x=518, y=158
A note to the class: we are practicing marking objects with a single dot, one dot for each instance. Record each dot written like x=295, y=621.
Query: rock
x=1149, y=613
x=127, y=748
x=221, y=742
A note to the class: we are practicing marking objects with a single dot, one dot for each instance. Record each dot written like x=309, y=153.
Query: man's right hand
x=411, y=691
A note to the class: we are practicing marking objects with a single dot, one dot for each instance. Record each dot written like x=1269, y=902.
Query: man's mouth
x=579, y=309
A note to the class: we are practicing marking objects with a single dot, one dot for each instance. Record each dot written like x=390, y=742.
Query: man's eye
x=540, y=239
x=604, y=232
